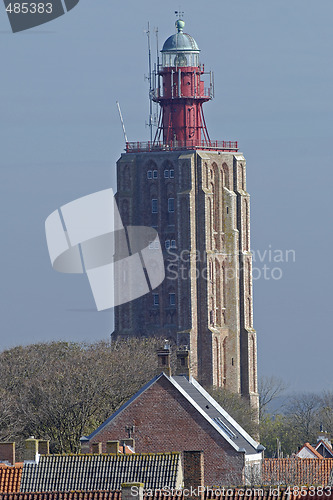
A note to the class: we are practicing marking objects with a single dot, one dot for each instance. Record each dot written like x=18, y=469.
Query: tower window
x=154, y=174
x=149, y=174
x=154, y=206
x=156, y=299
x=172, y=174
x=172, y=299
x=173, y=244
x=171, y=205
x=167, y=244
x=166, y=174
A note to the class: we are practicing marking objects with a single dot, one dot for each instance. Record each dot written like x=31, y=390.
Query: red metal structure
x=182, y=92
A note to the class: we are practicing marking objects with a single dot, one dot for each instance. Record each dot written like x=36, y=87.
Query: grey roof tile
x=100, y=472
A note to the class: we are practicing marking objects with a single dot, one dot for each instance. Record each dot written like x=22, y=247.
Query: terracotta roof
x=10, y=478
x=246, y=493
x=311, y=449
x=92, y=472
x=301, y=471
x=128, y=450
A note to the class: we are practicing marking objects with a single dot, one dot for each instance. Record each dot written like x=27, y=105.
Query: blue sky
x=61, y=136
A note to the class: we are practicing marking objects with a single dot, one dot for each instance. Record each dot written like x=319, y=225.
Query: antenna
x=158, y=62
x=150, y=123
x=122, y=122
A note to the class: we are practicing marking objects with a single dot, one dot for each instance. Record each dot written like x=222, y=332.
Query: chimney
x=183, y=363
x=112, y=447
x=7, y=453
x=129, y=442
x=96, y=448
x=194, y=474
x=84, y=442
x=31, y=450
x=132, y=491
x=163, y=356
x=43, y=447
x=324, y=436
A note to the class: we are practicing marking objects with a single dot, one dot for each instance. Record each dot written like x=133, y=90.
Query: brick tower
x=193, y=192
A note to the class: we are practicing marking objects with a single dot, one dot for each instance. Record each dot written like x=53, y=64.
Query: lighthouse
x=192, y=191
x=182, y=92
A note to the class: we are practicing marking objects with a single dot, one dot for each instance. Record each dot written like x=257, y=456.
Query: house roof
x=10, y=478
x=311, y=451
x=202, y=402
x=298, y=471
x=92, y=472
x=326, y=446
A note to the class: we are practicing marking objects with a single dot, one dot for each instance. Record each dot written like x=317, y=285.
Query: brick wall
x=165, y=421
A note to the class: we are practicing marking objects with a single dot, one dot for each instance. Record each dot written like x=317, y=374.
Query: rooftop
x=180, y=41
x=202, y=402
x=10, y=478
x=298, y=471
x=100, y=472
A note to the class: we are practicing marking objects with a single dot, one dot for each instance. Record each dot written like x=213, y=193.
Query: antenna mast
x=122, y=123
x=150, y=123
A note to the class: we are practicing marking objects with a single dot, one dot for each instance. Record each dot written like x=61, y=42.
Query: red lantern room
x=182, y=92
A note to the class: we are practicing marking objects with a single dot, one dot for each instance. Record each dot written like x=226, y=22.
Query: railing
x=156, y=95
x=143, y=147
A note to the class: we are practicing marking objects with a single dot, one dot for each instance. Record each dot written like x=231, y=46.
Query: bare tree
x=270, y=388
x=61, y=390
x=303, y=412
x=326, y=412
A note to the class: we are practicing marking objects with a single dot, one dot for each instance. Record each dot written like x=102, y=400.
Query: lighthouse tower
x=192, y=191
x=182, y=93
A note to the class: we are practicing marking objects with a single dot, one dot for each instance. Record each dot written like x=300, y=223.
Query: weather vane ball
x=180, y=25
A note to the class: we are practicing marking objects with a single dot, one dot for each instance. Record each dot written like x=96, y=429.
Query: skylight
x=224, y=427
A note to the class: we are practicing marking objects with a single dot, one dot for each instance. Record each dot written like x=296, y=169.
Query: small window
x=167, y=244
x=172, y=299
x=171, y=205
x=154, y=206
x=172, y=174
x=227, y=210
x=157, y=244
x=154, y=174
x=173, y=244
x=149, y=174
x=166, y=174
x=151, y=245
x=156, y=299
